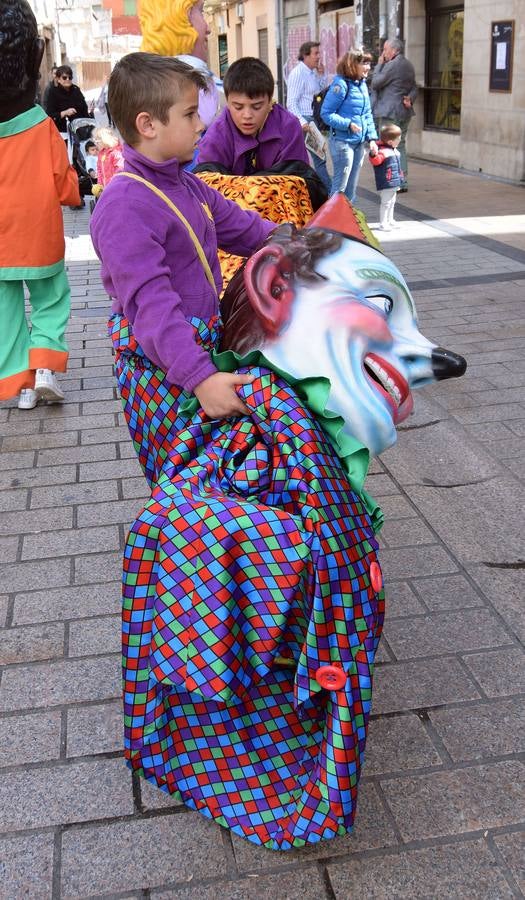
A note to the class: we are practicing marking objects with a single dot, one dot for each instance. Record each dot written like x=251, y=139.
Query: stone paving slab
x=512, y=850
x=447, y=592
x=60, y=682
x=151, y=798
x=66, y=603
x=9, y=548
x=465, y=870
x=74, y=494
x=446, y=632
x=467, y=799
x=154, y=851
x=50, y=800
x=26, y=866
x=482, y=730
x=402, y=601
x=441, y=805
x=70, y=543
x=481, y=538
x=38, y=574
x=499, y=673
x=4, y=601
x=398, y=743
x=95, y=729
x=307, y=883
x=28, y=478
x=103, y=633
x=420, y=684
x=32, y=642
x=103, y=566
x=504, y=586
x=30, y=738
x=34, y=441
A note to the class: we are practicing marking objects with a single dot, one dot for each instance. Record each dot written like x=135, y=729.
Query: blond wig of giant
x=165, y=26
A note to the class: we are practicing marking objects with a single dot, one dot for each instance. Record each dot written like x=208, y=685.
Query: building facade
x=469, y=57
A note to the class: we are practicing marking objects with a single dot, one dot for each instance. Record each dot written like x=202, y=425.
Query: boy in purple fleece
x=150, y=265
x=253, y=133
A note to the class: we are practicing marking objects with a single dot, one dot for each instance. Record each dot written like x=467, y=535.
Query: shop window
x=262, y=40
x=222, y=41
x=238, y=40
x=444, y=66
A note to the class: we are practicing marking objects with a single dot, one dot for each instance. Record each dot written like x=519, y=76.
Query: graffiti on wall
x=337, y=34
x=295, y=36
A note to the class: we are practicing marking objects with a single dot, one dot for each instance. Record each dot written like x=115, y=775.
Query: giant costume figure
x=178, y=28
x=253, y=597
x=35, y=178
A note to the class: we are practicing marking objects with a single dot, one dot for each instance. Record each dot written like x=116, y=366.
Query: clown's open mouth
x=390, y=384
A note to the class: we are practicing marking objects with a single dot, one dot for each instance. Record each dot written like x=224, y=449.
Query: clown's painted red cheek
x=361, y=319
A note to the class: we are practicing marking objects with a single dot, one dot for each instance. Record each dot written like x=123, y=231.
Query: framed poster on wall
x=501, y=50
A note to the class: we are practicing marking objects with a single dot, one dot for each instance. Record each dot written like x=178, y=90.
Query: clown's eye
x=385, y=304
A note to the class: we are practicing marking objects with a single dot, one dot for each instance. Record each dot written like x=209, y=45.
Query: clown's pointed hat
x=338, y=214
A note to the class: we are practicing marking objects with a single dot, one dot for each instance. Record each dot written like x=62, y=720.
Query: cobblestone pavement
x=441, y=808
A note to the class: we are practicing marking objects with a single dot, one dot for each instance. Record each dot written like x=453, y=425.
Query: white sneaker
x=46, y=386
x=28, y=399
x=384, y=228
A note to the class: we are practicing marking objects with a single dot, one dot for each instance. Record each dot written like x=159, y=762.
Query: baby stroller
x=78, y=132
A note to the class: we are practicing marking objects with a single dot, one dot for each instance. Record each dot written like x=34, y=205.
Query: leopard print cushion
x=279, y=198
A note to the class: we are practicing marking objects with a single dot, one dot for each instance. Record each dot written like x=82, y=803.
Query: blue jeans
x=319, y=164
x=347, y=160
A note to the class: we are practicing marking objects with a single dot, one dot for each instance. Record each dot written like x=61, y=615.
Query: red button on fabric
x=376, y=577
x=331, y=678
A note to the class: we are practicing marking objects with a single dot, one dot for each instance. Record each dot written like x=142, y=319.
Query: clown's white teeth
x=385, y=380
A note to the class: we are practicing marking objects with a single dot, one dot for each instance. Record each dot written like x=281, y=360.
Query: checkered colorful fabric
x=247, y=571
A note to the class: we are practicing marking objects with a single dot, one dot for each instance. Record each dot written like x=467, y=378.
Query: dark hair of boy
x=147, y=82
x=306, y=48
x=249, y=76
x=88, y=145
x=390, y=132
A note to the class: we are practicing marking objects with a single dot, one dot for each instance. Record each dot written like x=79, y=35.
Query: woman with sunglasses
x=346, y=110
x=64, y=100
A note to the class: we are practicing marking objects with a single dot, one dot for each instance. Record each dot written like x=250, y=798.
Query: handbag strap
x=183, y=219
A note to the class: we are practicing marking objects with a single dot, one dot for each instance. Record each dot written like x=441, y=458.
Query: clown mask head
x=326, y=303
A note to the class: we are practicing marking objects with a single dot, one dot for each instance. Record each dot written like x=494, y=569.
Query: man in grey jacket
x=393, y=94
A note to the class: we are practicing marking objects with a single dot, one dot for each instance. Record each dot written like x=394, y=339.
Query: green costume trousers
x=24, y=348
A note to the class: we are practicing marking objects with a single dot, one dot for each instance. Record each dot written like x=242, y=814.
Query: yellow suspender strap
x=183, y=219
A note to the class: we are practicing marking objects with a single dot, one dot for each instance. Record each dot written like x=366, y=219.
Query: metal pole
x=279, y=41
x=312, y=19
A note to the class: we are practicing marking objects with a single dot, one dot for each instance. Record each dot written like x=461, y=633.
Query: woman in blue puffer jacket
x=346, y=109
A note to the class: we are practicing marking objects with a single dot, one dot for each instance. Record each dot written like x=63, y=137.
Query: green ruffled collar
x=23, y=122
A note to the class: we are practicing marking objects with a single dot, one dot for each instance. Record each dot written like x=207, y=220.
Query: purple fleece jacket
x=281, y=139
x=150, y=267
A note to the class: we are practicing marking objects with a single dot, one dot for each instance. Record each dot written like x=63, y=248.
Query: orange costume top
x=35, y=178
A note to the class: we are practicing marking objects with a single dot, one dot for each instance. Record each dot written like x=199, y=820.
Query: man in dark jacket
x=64, y=100
x=393, y=94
